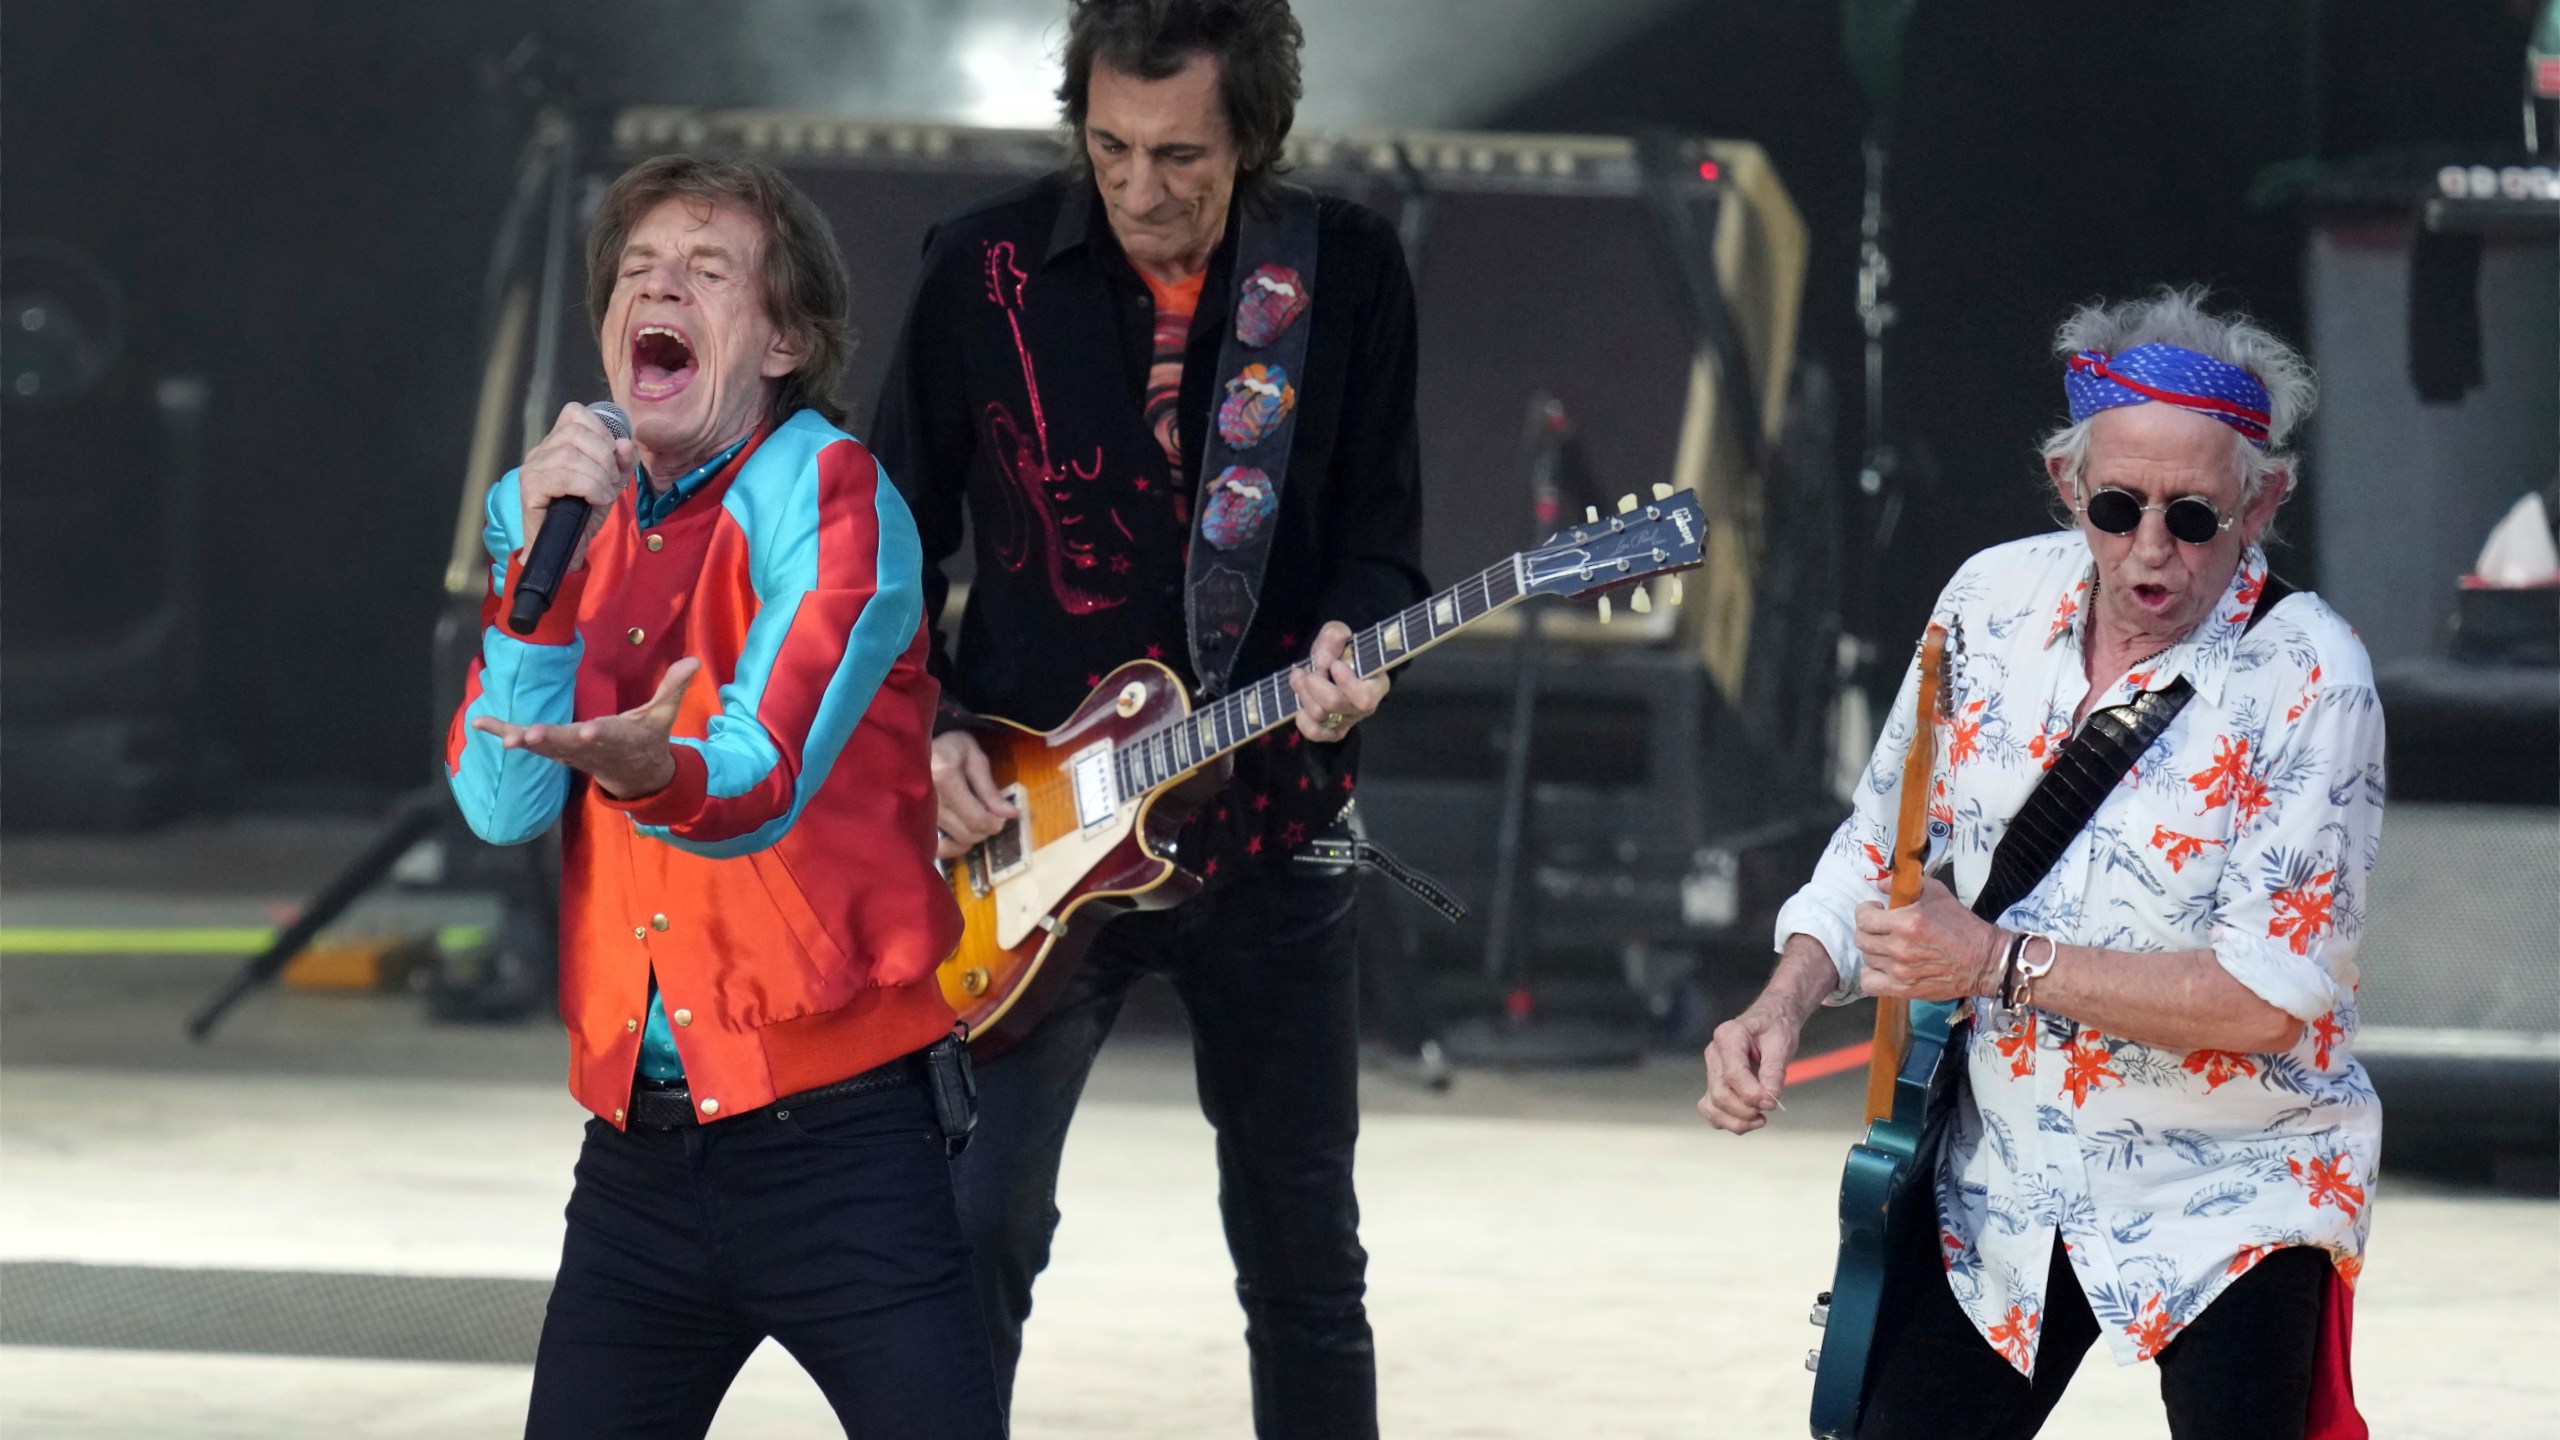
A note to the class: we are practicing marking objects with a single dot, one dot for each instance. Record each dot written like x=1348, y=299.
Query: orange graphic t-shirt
x=1174, y=306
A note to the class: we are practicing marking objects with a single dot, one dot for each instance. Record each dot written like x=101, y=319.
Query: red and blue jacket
x=781, y=890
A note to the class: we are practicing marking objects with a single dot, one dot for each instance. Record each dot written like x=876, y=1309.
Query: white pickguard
x=1038, y=887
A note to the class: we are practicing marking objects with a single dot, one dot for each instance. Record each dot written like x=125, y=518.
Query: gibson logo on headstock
x=1681, y=519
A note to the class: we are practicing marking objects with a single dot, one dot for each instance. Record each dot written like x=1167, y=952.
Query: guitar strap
x=2091, y=764
x=1244, y=456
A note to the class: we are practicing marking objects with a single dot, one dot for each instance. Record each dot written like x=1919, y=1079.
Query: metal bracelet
x=2030, y=972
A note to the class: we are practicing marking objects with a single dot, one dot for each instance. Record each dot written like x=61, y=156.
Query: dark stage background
x=297, y=201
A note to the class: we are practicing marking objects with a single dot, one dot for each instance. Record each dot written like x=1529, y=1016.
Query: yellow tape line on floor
x=174, y=940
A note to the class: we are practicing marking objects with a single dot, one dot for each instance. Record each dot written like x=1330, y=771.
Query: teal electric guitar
x=1911, y=1088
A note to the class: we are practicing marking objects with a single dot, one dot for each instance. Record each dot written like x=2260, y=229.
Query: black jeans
x=2242, y=1371
x=1269, y=973
x=830, y=1228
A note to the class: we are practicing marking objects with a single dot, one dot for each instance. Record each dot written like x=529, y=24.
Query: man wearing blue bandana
x=2164, y=1140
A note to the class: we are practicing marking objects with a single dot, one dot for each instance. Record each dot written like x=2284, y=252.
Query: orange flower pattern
x=2045, y=746
x=2248, y=1258
x=2066, y=614
x=2302, y=912
x=2248, y=830
x=2015, y=1337
x=2217, y=1066
x=2330, y=1183
x=2310, y=692
x=2221, y=780
x=2018, y=1045
x=2090, y=1066
x=1966, y=742
x=2152, y=1328
x=2177, y=847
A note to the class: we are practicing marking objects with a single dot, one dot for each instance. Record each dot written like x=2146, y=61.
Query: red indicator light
x=1710, y=170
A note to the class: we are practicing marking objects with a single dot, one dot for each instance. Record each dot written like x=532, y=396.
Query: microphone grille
x=613, y=418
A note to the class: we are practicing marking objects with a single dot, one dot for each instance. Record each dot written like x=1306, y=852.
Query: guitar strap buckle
x=1350, y=847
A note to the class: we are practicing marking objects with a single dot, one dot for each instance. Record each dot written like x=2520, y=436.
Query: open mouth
x=661, y=362
x=2151, y=597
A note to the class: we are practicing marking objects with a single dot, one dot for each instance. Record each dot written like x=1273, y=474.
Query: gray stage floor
x=336, y=1220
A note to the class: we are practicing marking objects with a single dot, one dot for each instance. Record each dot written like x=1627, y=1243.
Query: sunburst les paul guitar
x=1102, y=796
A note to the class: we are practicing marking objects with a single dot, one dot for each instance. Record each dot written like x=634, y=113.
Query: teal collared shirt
x=658, y=1058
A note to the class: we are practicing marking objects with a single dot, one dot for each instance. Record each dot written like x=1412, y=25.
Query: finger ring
x=1333, y=722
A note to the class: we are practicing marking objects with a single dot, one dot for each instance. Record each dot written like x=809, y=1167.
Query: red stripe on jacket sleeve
x=559, y=624
x=822, y=630
x=674, y=803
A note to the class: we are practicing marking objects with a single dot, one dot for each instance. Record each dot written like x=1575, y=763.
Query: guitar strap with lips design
x=1245, y=449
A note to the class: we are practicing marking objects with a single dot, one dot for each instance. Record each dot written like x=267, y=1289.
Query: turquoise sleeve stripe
x=737, y=751
x=511, y=796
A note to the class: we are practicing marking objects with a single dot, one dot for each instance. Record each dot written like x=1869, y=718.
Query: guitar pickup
x=1008, y=851
x=1097, y=791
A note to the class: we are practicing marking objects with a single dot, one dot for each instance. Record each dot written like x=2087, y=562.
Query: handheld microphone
x=562, y=522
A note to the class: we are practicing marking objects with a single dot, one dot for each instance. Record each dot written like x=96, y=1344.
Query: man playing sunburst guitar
x=2163, y=1141
x=1174, y=401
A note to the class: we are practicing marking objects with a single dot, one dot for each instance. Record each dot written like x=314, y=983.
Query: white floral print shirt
x=2250, y=827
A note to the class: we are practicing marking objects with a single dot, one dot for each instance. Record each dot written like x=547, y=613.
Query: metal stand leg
x=413, y=820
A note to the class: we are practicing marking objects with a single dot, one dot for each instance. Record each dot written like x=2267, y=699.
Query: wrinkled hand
x=968, y=804
x=628, y=754
x=1747, y=1067
x=1329, y=690
x=1931, y=949
x=579, y=458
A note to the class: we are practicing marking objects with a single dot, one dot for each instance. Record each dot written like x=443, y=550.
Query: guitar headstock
x=1941, y=656
x=1644, y=539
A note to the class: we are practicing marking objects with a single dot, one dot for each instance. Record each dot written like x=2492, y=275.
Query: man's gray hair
x=2172, y=316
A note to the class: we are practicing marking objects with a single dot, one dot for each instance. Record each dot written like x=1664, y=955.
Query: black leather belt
x=668, y=1105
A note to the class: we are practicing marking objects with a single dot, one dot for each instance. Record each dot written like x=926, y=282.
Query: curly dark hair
x=805, y=290
x=1255, y=43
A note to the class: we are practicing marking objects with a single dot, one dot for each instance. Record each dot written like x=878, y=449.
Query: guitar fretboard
x=1176, y=747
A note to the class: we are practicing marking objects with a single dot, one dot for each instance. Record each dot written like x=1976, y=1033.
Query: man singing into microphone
x=726, y=708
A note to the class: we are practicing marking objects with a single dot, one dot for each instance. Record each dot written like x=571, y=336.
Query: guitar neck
x=1167, y=752
x=1910, y=863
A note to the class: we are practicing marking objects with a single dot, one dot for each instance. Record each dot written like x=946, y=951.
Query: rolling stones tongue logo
x=1239, y=503
x=1257, y=401
x=1272, y=299
x=1035, y=482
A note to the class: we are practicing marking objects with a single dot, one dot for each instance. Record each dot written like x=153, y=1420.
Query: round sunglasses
x=2190, y=518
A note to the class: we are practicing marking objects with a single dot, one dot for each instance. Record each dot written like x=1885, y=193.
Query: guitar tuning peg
x=1674, y=596
x=1604, y=609
x=1626, y=504
x=1590, y=514
x=1661, y=491
x=1640, y=602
